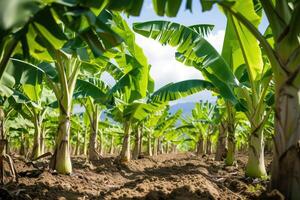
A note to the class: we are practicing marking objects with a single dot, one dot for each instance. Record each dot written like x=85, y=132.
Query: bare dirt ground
x=172, y=176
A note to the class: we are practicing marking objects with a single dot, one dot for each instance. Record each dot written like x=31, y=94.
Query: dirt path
x=180, y=176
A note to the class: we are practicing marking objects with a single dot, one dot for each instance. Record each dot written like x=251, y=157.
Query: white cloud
x=217, y=40
x=165, y=69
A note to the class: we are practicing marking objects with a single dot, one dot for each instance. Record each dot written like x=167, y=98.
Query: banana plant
x=150, y=122
x=31, y=100
x=7, y=82
x=62, y=72
x=164, y=124
x=131, y=89
x=92, y=105
x=221, y=151
x=241, y=63
x=44, y=18
x=194, y=50
x=281, y=50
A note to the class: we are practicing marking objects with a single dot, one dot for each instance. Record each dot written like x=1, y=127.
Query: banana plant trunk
x=22, y=145
x=155, y=146
x=200, y=145
x=77, y=144
x=167, y=147
x=221, y=146
x=3, y=143
x=286, y=162
x=255, y=167
x=85, y=143
x=137, y=144
x=93, y=154
x=160, y=148
x=230, y=155
x=208, y=145
x=36, y=150
x=174, y=148
x=101, y=144
x=42, y=140
x=149, y=144
x=61, y=159
x=125, y=154
x=111, y=151
x=141, y=140
x=68, y=69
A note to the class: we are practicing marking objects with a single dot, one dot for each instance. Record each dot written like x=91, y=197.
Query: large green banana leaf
x=189, y=43
x=169, y=8
x=193, y=50
x=40, y=25
x=7, y=82
x=120, y=26
x=167, y=123
x=241, y=44
x=139, y=110
x=174, y=91
x=85, y=89
x=133, y=85
x=82, y=89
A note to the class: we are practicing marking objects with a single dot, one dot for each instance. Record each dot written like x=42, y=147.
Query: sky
x=165, y=69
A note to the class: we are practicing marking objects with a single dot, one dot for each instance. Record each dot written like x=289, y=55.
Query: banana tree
x=93, y=113
x=164, y=124
x=7, y=82
x=139, y=109
x=31, y=100
x=205, y=117
x=62, y=73
x=239, y=61
x=92, y=102
x=194, y=50
x=281, y=50
x=149, y=123
x=281, y=14
x=44, y=18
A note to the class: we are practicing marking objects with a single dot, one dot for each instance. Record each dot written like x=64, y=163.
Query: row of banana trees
x=58, y=60
x=66, y=46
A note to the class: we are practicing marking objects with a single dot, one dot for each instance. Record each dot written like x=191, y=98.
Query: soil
x=167, y=176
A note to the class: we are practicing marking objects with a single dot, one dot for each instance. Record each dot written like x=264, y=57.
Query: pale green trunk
x=137, y=144
x=36, y=150
x=111, y=151
x=85, y=143
x=200, y=145
x=149, y=145
x=221, y=146
x=3, y=143
x=230, y=156
x=125, y=155
x=167, y=147
x=42, y=141
x=174, y=148
x=101, y=144
x=155, y=146
x=160, y=147
x=22, y=145
x=255, y=167
x=208, y=145
x=93, y=154
x=61, y=160
x=77, y=144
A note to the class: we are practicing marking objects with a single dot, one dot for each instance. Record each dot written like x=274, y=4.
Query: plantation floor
x=172, y=176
